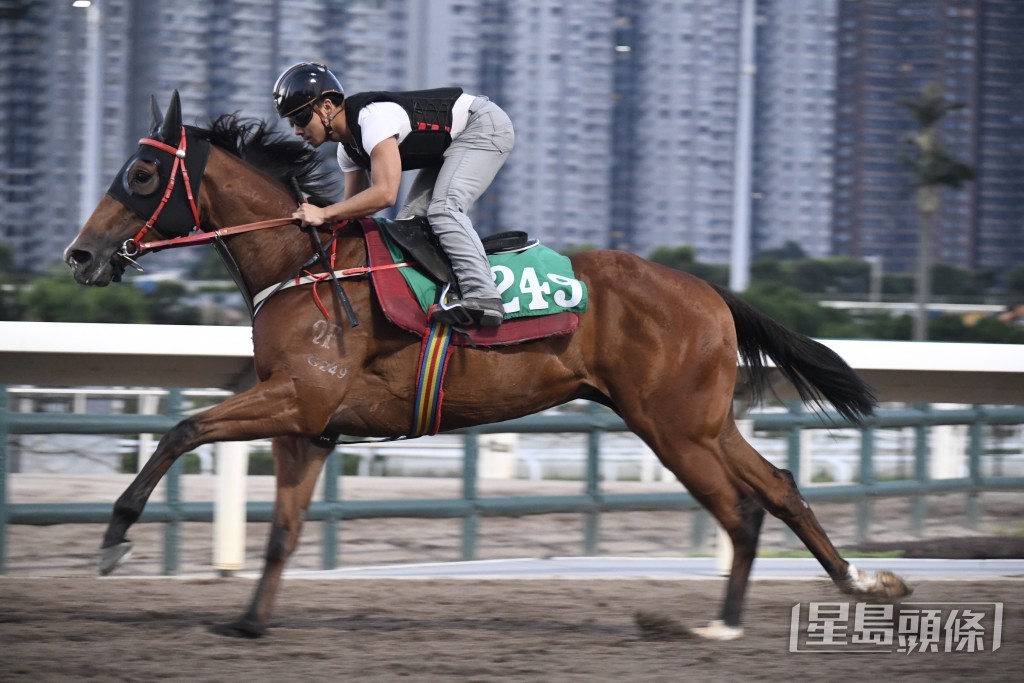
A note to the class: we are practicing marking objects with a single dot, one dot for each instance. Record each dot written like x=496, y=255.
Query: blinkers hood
x=175, y=219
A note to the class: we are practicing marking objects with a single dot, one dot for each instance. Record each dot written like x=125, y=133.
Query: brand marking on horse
x=330, y=367
x=324, y=332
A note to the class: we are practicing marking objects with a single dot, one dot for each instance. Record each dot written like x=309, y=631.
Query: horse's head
x=156, y=192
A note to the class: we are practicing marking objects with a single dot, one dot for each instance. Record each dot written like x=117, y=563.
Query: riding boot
x=478, y=301
x=485, y=312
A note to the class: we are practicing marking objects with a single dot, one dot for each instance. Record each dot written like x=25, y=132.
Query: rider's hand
x=310, y=215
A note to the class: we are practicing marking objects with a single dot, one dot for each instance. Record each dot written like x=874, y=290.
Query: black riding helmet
x=298, y=89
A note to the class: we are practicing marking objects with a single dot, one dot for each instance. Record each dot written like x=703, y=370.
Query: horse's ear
x=170, y=131
x=157, y=116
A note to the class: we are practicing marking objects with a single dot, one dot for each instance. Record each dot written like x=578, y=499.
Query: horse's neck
x=237, y=195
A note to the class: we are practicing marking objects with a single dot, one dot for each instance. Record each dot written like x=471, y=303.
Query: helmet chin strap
x=327, y=120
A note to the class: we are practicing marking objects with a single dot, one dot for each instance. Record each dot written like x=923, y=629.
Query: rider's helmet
x=299, y=88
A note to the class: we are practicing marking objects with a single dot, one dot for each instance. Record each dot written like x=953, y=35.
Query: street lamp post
x=739, y=271
x=91, y=160
x=874, y=278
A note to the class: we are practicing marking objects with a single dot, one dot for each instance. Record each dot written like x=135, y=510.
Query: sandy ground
x=59, y=622
x=509, y=631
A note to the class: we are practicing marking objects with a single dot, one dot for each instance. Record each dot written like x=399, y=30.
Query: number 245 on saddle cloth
x=541, y=295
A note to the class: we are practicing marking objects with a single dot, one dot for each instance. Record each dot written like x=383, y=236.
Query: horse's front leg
x=268, y=409
x=297, y=465
x=128, y=508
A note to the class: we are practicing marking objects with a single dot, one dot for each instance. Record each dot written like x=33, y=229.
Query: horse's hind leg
x=779, y=494
x=740, y=516
x=297, y=465
x=744, y=535
x=697, y=464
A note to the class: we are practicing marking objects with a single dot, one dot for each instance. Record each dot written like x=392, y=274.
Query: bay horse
x=658, y=346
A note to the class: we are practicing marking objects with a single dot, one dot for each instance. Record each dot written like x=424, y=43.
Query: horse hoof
x=114, y=555
x=238, y=629
x=881, y=586
x=894, y=587
x=717, y=630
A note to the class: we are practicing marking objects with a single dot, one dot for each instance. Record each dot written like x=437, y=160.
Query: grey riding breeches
x=445, y=193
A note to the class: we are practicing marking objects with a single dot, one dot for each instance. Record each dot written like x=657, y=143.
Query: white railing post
x=229, y=506
x=148, y=405
x=806, y=457
x=498, y=456
x=947, y=448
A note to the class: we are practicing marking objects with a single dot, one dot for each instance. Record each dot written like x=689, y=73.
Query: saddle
x=403, y=308
x=418, y=240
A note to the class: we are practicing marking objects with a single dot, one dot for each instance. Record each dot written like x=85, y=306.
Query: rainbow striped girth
x=434, y=356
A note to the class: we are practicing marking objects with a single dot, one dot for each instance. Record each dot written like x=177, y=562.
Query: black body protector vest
x=430, y=112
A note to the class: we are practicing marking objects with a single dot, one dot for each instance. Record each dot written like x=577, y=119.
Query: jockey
x=459, y=141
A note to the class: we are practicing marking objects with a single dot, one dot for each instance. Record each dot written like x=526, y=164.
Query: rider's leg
x=417, y=200
x=470, y=164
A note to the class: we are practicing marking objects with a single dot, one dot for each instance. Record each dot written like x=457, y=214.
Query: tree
x=6, y=259
x=1015, y=281
x=787, y=252
x=685, y=259
x=58, y=298
x=166, y=305
x=209, y=266
x=794, y=310
x=933, y=167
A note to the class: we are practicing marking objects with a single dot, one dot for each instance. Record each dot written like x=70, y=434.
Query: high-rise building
x=686, y=127
x=794, y=125
x=556, y=86
x=998, y=194
x=625, y=110
x=888, y=50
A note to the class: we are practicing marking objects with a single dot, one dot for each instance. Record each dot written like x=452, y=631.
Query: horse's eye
x=141, y=178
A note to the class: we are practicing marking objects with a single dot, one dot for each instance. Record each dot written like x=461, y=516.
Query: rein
x=202, y=238
x=134, y=248
x=212, y=236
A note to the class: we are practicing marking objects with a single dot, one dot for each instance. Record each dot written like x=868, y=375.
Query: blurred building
x=625, y=110
x=888, y=49
x=794, y=125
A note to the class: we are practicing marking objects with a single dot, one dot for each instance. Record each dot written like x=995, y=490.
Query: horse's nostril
x=79, y=257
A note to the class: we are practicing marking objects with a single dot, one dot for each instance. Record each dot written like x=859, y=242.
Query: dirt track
x=509, y=631
x=74, y=626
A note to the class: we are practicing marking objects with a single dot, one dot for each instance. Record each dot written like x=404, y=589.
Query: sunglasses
x=302, y=117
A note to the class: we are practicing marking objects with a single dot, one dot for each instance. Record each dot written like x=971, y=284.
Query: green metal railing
x=470, y=506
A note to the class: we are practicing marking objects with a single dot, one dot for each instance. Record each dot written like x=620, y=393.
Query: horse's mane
x=274, y=153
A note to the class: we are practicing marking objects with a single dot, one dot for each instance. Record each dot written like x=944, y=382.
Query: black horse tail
x=816, y=371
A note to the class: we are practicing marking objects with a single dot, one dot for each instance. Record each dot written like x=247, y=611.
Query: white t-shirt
x=382, y=120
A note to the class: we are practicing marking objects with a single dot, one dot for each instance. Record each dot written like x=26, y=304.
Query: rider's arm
x=381, y=193
x=355, y=182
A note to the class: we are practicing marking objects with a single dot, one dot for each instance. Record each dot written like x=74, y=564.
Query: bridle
x=133, y=248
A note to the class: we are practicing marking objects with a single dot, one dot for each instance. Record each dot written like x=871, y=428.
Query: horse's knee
x=747, y=533
x=752, y=514
x=280, y=544
x=785, y=500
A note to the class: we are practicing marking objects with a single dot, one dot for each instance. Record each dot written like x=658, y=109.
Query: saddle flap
x=415, y=237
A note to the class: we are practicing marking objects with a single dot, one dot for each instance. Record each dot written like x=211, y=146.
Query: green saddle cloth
x=534, y=281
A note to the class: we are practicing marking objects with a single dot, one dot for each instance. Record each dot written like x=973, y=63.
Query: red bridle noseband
x=133, y=247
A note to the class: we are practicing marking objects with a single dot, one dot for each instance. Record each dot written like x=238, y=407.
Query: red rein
x=135, y=247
